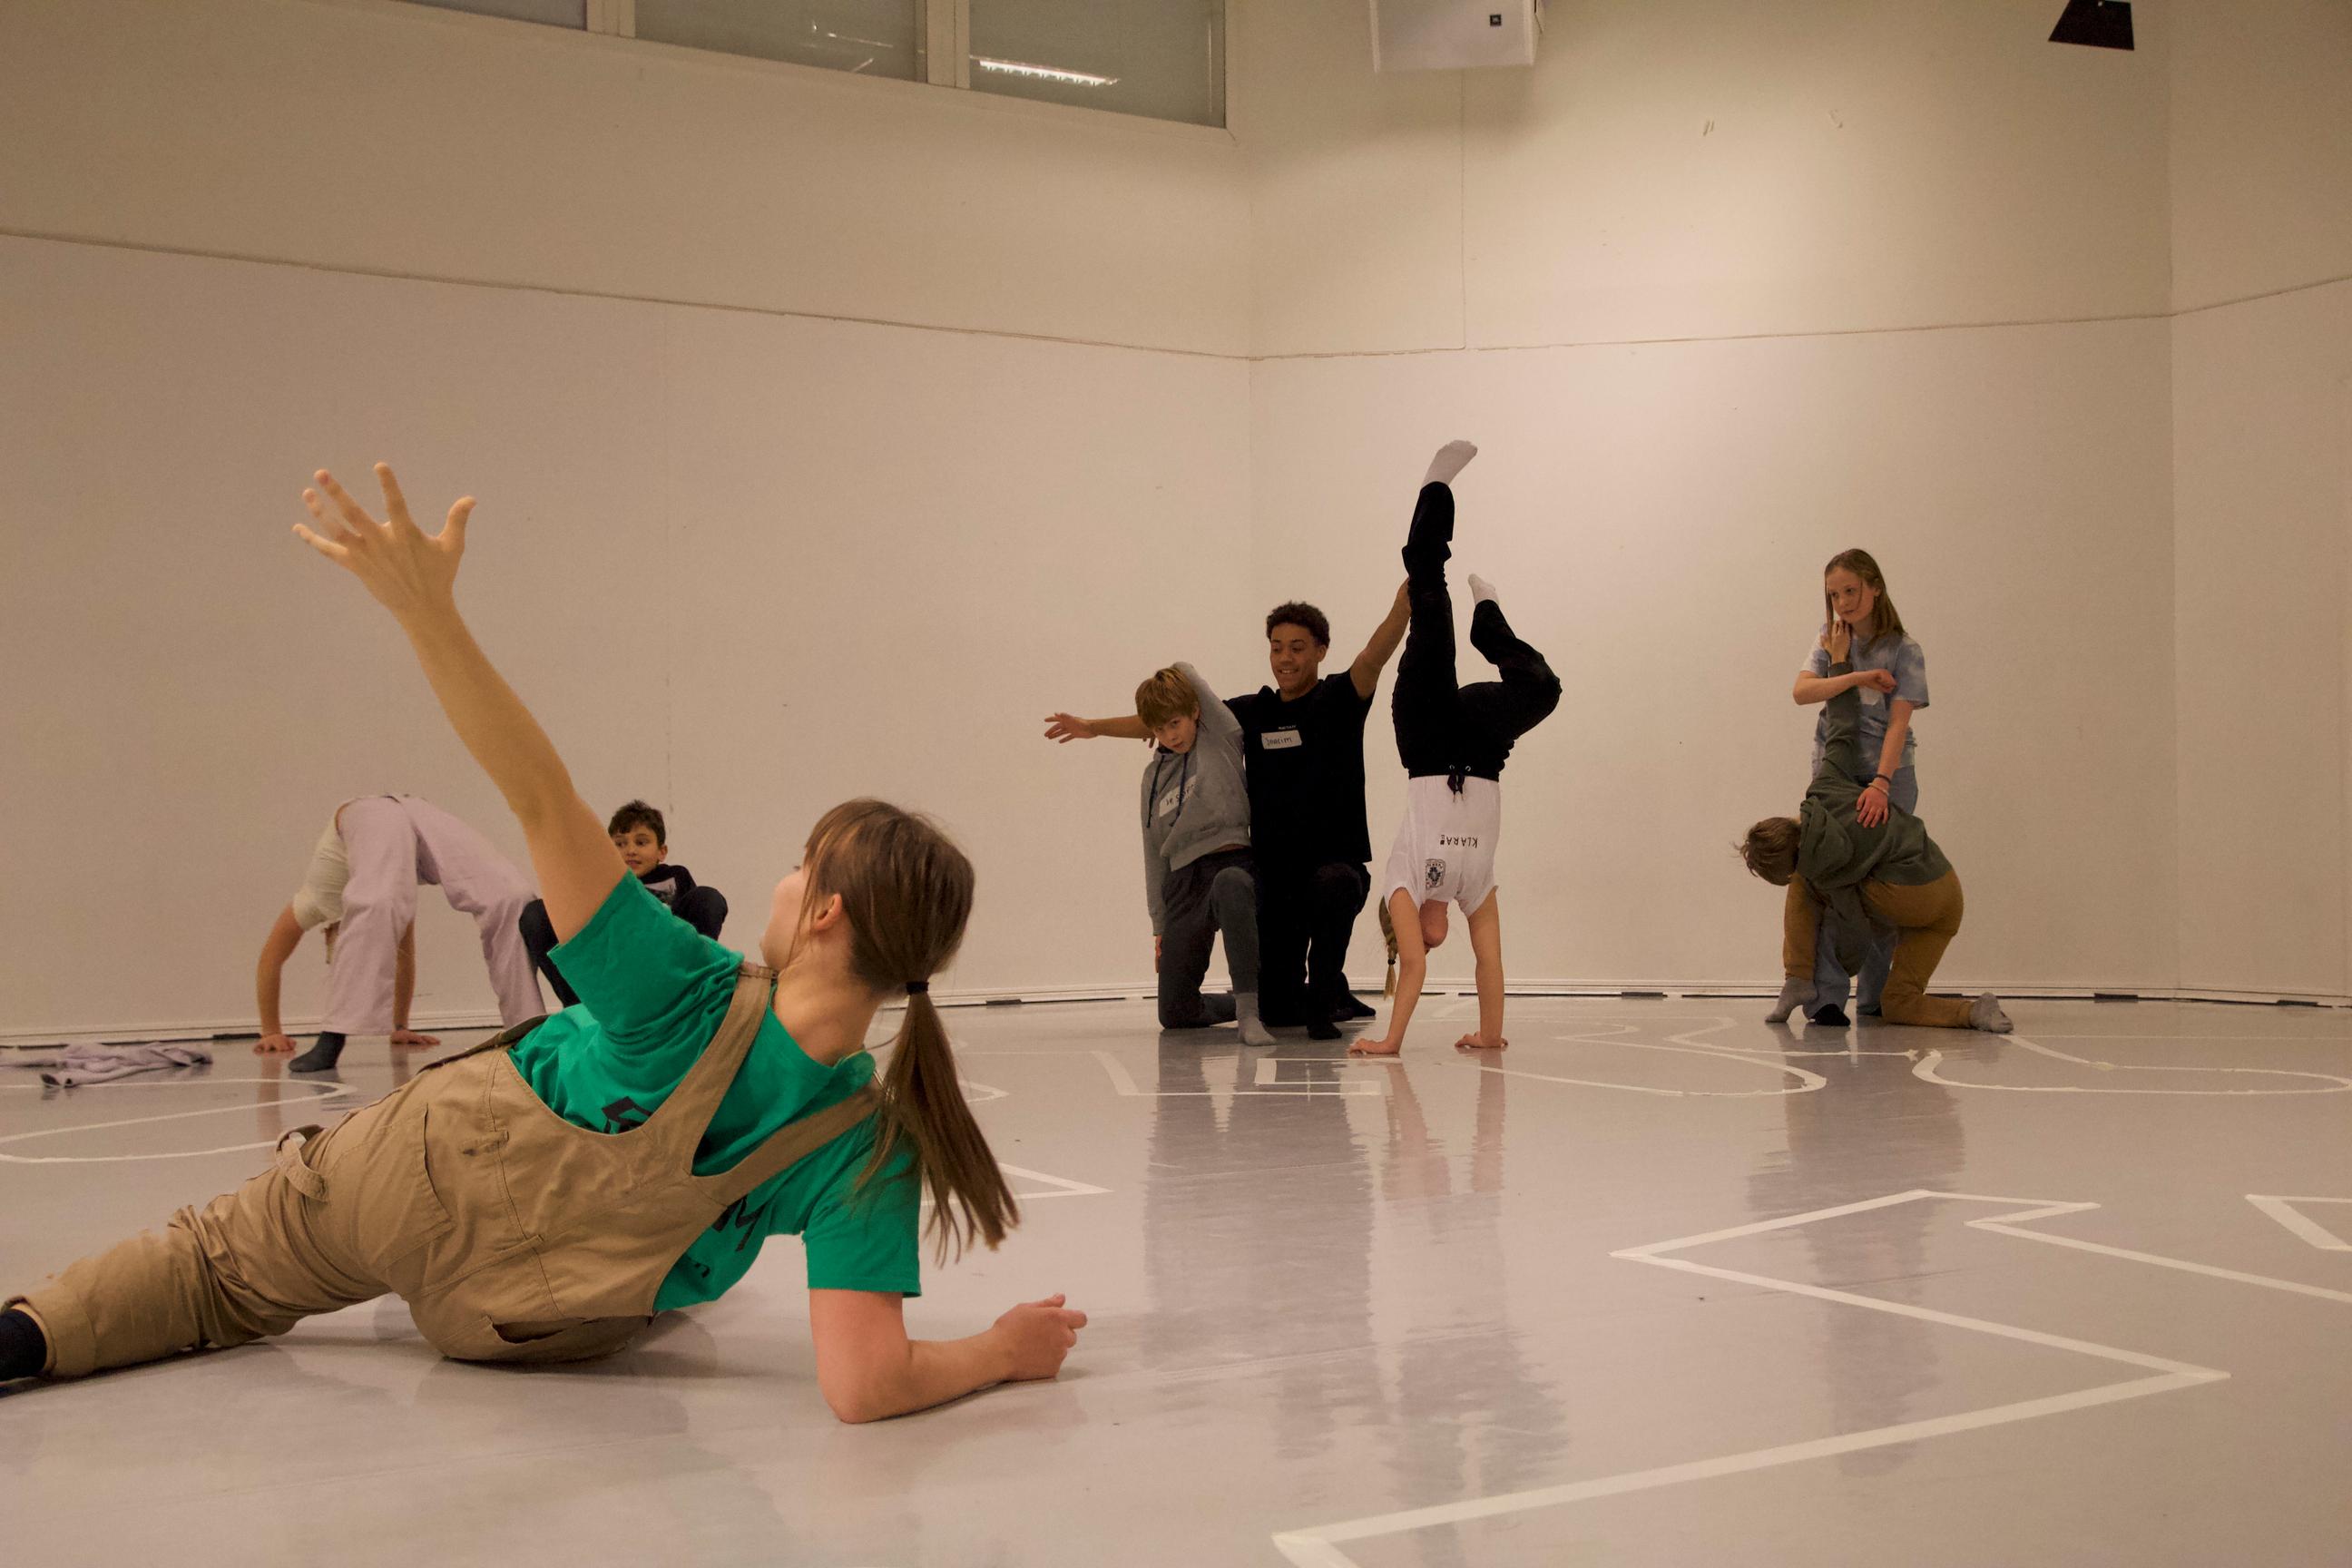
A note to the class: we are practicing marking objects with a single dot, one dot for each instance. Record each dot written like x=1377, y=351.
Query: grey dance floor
x=1662, y=1285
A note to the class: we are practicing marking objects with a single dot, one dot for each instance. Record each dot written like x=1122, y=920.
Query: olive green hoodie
x=1836, y=852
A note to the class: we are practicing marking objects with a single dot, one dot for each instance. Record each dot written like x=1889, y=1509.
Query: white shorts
x=1446, y=846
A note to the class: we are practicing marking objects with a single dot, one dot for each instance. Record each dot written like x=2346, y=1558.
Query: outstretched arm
x=268, y=976
x=1386, y=638
x=869, y=1369
x=414, y=576
x=1486, y=925
x=403, y=991
x=1412, y=968
x=1068, y=727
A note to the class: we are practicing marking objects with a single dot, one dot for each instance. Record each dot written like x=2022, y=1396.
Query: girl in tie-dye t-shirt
x=1891, y=671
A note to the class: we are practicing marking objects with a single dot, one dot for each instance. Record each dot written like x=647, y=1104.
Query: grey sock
x=1246, y=1014
x=319, y=1057
x=1794, y=993
x=1985, y=1014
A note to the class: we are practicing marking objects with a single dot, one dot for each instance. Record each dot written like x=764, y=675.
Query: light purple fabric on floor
x=78, y=1065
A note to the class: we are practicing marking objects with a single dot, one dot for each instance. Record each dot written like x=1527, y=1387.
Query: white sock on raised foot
x=1451, y=459
x=1481, y=591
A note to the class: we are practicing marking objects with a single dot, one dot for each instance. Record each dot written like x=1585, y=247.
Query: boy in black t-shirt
x=641, y=837
x=1303, y=741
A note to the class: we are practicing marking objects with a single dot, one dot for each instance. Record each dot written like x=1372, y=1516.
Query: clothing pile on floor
x=78, y=1065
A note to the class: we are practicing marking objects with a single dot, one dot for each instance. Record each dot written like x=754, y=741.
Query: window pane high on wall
x=1161, y=58
x=554, y=13
x=873, y=37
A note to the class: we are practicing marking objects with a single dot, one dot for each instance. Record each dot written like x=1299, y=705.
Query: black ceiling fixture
x=2100, y=23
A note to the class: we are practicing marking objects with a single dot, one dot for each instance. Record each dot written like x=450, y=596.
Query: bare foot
x=1366, y=1049
x=1473, y=1041
x=274, y=1046
x=409, y=1040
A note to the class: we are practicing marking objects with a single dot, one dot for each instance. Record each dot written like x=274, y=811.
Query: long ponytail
x=923, y=1104
x=908, y=890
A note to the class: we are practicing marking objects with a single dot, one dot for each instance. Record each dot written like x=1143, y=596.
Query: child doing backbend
x=362, y=886
x=1888, y=876
x=627, y=1155
x=1453, y=741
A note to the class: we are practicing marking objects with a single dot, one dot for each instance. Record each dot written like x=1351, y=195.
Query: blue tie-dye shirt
x=1904, y=656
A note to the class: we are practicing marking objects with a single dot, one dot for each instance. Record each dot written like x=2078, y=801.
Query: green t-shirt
x=653, y=992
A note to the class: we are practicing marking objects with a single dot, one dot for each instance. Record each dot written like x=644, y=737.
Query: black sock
x=24, y=1348
x=1320, y=1026
x=319, y=1057
x=1832, y=1014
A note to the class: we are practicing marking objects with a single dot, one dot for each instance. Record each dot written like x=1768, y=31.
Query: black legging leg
x=1337, y=897
x=538, y=939
x=1500, y=712
x=1283, y=930
x=1426, y=703
x=703, y=908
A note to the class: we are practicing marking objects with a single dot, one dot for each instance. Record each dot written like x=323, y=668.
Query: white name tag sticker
x=1281, y=741
x=1170, y=802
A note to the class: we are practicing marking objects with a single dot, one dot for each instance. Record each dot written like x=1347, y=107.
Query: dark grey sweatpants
x=1216, y=893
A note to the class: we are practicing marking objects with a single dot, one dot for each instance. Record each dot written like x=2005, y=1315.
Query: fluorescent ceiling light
x=1043, y=73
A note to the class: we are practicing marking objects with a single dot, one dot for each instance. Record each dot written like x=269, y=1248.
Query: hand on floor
x=1038, y=1335
x=411, y=1038
x=274, y=1046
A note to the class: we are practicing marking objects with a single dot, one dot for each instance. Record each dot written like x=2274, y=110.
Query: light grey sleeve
x=1911, y=674
x=1217, y=719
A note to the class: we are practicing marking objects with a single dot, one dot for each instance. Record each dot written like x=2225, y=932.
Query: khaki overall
x=511, y=1234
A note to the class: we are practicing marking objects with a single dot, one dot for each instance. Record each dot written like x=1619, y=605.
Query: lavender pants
x=394, y=844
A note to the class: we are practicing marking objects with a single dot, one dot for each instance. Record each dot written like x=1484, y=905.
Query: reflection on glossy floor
x=2081, y=1295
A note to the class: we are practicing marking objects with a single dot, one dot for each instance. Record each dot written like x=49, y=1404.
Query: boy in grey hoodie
x=1198, y=876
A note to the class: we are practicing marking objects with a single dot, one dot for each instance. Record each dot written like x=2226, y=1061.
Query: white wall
x=1715, y=286
x=1711, y=168
x=743, y=556
x=2261, y=242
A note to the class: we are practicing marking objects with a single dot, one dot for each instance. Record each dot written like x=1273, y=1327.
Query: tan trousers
x=1928, y=916
x=513, y=1234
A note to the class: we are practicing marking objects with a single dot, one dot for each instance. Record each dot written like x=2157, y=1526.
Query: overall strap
x=496, y=1042
x=695, y=1100
x=789, y=1144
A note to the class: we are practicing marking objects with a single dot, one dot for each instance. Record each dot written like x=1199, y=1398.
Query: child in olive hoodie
x=1875, y=877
